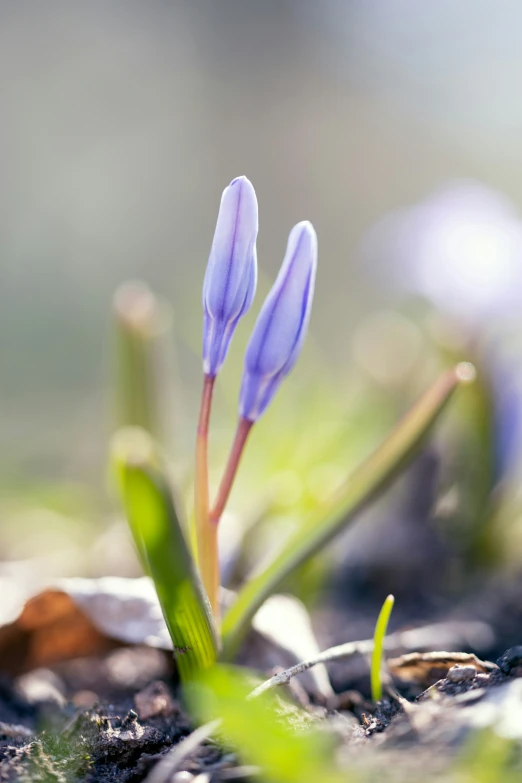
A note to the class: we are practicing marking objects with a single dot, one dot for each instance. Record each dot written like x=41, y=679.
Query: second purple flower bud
x=279, y=333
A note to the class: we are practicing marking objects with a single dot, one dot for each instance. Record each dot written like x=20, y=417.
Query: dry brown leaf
x=426, y=668
x=81, y=617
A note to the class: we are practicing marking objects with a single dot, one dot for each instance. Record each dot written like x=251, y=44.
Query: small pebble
x=482, y=679
x=130, y=718
x=40, y=686
x=154, y=700
x=511, y=659
x=85, y=699
x=461, y=673
x=183, y=777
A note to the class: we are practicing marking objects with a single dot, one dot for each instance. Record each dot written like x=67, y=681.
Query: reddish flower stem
x=242, y=432
x=206, y=538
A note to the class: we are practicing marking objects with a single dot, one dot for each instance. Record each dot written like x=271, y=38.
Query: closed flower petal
x=279, y=333
x=231, y=276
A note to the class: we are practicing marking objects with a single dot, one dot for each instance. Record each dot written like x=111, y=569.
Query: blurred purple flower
x=280, y=330
x=461, y=248
x=231, y=276
x=505, y=377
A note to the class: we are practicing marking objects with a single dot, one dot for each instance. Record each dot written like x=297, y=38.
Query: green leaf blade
x=262, y=735
x=158, y=535
x=365, y=484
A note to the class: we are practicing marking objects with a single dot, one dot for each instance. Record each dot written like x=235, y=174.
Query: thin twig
x=239, y=772
x=438, y=633
x=171, y=762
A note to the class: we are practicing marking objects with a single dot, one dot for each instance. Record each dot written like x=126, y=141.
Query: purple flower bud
x=231, y=276
x=279, y=333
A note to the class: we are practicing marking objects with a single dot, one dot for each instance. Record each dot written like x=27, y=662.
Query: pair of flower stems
x=274, y=345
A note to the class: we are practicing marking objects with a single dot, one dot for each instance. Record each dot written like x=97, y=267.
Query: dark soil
x=100, y=719
x=112, y=718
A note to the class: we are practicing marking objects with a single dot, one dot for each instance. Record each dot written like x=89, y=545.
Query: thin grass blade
x=362, y=487
x=158, y=535
x=381, y=627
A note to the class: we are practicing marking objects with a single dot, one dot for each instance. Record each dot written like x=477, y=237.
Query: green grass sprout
x=378, y=647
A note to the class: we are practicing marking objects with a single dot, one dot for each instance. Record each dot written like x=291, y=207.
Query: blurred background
x=394, y=127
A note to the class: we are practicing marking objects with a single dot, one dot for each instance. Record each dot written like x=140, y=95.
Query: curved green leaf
x=367, y=482
x=161, y=545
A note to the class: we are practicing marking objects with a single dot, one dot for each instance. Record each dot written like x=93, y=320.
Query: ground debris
x=124, y=739
x=473, y=695
x=426, y=668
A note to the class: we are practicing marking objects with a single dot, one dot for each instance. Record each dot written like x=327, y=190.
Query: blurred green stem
x=136, y=311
